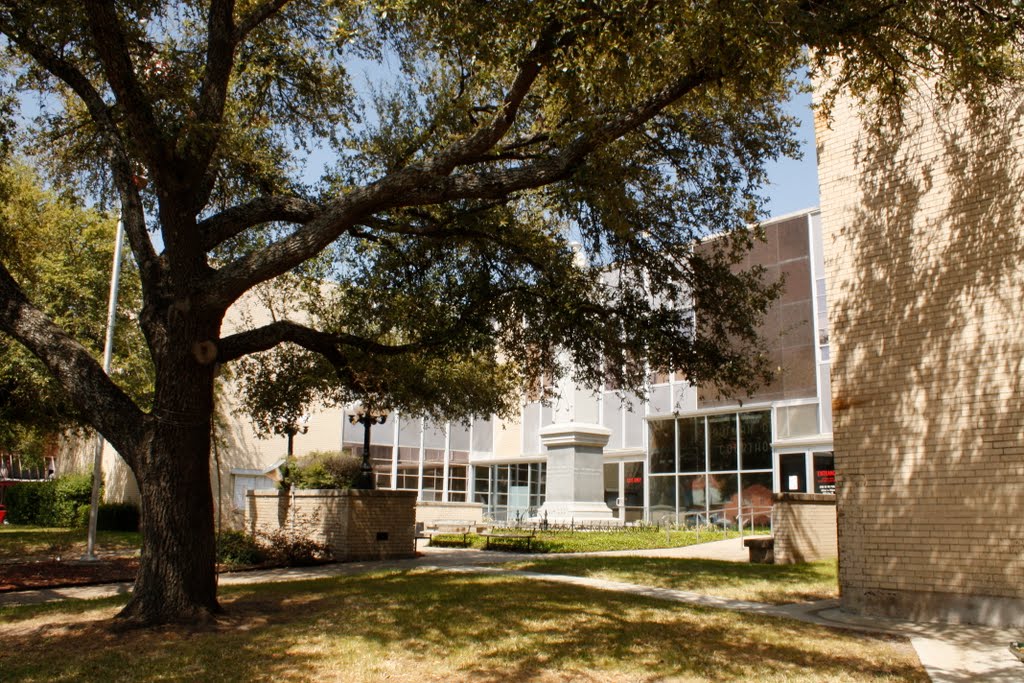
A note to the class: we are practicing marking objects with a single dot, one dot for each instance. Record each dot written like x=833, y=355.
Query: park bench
x=511, y=538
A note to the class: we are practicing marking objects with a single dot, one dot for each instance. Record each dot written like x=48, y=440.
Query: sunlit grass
x=734, y=580
x=596, y=541
x=17, y=541
x=429, y=626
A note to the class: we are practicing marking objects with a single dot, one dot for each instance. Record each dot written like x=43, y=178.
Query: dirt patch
x=18, y=576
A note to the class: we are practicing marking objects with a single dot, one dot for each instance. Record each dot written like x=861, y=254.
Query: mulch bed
x=18, y=576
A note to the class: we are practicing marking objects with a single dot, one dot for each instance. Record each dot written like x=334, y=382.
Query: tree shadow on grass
x=758, y=582
x=427, y=626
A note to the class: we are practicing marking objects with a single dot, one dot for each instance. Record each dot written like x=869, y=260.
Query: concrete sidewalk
x=950, y=654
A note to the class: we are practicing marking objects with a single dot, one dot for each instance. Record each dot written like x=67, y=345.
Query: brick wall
x=356, y=525
x=804, y=527
x=925, y=259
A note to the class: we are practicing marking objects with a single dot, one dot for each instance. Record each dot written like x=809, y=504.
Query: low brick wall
x=804, y=527
x=356, y=525
x=427, y=512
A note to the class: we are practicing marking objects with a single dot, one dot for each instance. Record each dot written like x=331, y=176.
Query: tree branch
x=485, y=137
x=423, y=184
x=327, y=344
x=112, y=50
x=100, y=113
x=103, y=404
x=64, y=71
x=223, y=226
x=257, y=16
x=133, y=217
x=204, y=135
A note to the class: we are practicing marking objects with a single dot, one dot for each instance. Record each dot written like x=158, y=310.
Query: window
x=723, y=468
x=662, y=436
x=756, y=440
x=722, y=442
x=797, y=421
x=243, y=483
x=457, y=476
x=822, y=306
x=691, y=444
x=793, y=473
x=433, y=481
x=825, y=473
x=511, y=492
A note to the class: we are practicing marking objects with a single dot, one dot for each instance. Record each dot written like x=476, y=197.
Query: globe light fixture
x=367, y=418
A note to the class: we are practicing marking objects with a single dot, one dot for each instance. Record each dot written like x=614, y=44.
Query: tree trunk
x=177, y=580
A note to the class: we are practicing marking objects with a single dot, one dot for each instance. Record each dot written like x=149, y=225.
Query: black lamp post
x=367, y=418
x=292, y=429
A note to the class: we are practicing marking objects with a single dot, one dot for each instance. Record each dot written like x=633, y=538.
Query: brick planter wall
x=356, y=525
x=804, y=527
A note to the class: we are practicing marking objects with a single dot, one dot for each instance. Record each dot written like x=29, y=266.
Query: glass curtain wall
x=510, y=493
x=711, y=469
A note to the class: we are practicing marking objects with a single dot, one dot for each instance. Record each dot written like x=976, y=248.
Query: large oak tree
x=477, y=148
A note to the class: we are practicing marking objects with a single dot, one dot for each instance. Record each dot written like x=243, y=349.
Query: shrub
x=52, y=503
x=238, y=548
x=323, y=470
x=111, y=517
x=293, y=550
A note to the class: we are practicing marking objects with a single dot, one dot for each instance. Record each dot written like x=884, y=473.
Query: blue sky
x=793, y=184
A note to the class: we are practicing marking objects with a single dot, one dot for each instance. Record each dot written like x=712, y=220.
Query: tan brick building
x=924, y=250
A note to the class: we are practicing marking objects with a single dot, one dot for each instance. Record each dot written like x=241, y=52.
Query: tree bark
x=177, y=581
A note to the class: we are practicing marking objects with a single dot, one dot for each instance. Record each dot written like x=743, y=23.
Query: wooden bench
x=508, y=537
x=762, y=549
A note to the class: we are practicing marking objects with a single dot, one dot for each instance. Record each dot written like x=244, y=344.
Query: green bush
x=293, y=550
x=111, y=517
x=238, y=548
x=52, y=503
x=322, y=470
x=118, y=517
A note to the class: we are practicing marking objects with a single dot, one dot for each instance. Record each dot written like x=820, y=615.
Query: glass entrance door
x=624, y=489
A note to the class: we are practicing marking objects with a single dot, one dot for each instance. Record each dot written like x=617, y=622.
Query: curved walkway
x=949, y=653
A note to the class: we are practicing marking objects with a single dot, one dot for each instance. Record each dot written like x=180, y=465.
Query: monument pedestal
x=575, y=474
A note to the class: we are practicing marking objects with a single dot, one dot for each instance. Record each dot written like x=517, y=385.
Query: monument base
x=578, y=513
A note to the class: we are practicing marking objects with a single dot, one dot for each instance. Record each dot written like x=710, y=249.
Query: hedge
x=111, y=517
x=51, y=503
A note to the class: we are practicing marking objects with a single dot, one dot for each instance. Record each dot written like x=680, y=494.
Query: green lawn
x=17, y=541
x=597, y=541
x=734, y=580
x=426, y=626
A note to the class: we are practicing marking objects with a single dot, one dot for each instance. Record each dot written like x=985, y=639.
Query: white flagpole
x=108, y=355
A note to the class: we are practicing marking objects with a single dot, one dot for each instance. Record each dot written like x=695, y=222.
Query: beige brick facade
x=804, y=527
x=924, y=251
x=356, y=525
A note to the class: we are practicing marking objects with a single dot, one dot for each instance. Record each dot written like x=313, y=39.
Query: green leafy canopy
x=61, y=255
x=493, y=137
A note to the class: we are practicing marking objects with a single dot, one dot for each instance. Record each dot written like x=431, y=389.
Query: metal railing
x=722, y=518
x=12, y=468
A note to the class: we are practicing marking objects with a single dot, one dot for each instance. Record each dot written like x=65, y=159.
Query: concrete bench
x=448, y=527
x=762, y=549
x=510, y=538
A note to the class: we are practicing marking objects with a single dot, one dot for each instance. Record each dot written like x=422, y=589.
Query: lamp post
x=292, y=429
x=367, y=418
